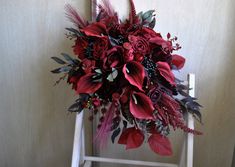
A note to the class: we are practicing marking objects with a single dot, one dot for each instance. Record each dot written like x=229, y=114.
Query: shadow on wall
x=53, y=141
x=217, y=87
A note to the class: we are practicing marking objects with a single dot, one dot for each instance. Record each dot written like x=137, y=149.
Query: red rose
x=80, y=47
x=139, y=45
x=114, y=58
x=100, y=46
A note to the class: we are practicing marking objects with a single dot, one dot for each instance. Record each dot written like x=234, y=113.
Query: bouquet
x=123, y=71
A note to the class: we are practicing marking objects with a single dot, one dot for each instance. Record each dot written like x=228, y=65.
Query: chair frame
x=80, y=159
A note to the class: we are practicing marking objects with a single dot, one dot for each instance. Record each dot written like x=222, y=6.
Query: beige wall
x=35, y=130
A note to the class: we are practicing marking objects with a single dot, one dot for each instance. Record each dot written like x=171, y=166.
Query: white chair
x=79, y=158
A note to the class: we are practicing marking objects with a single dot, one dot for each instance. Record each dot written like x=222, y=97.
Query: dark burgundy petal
x=131, y=137
x=134, y=73
x=160, y=144
x=124, y=136
x=135, y=139
x=88, y=84
x=178, y=61
x=95, y=29
x=141, y=106
x=165, y=72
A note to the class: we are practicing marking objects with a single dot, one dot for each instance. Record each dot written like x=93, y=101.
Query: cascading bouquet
x=123, y=70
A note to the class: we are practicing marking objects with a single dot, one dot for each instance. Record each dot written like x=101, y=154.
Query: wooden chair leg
x=77, y=143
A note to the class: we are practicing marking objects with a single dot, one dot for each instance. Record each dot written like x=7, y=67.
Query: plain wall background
x=36, y=131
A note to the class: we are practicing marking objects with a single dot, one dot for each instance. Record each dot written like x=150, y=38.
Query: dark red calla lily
x=134, y=73
x=132, y=138
x=178, y=61
x=160, y=144
x=165, y=72
x=141, y=106
x=88, y=83
x=95, y=29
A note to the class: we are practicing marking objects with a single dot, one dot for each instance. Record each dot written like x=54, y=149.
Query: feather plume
x=103, y=132
x=74, y=17
x=107, y=7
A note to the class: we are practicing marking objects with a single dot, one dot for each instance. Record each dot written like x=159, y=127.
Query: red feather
x=103, y=132
x=74, y=17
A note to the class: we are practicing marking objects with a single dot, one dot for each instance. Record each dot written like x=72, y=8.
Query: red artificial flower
x=178, y=61
x=88, y=83
x=134, y=73
x=88, y=65
x=125, y=69
x=165, y=72
x=139, y=44
x=100, y=47
x=80, y=47
x=114, y=58
x=132, y=138
x=141, y=106
x=73, y=80
x=96, y=29
x=160, y=144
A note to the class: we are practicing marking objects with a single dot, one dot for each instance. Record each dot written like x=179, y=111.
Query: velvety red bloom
x=141, y=106
x=139, y=44
x=128, y=52
x=100, y=46
x=165, y=72
x=132, y=138
x=134, y=73
x=114, y=58
x=88, y=83
x=80, y=47
x=160, y=144
x=178, y=61
x=95, y=29
x=88, y=65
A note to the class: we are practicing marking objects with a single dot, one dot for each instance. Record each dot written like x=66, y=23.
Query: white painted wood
x=131, y=162
x=190, y=124
x=78, y=145
x=87, y=164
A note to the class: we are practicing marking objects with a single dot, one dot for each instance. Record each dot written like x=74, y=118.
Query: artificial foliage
x=122, y=69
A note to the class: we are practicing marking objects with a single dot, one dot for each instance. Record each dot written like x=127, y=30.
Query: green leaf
x=148, y=14
x=58, y=60
x=76, y=32
x=115, y=134
x=113, y=75
x=56, y=71
x=68, y=58
x=152, y=24
x=61, y=69
x=76, y=107
x=65, y=69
